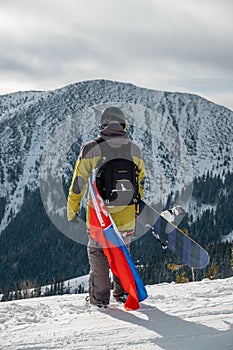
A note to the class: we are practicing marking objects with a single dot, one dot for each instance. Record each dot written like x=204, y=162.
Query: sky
x=169, y=45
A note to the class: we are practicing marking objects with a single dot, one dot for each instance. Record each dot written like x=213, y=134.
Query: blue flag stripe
x=112, y=236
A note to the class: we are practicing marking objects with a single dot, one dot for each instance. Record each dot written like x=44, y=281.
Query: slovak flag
x=104, y=231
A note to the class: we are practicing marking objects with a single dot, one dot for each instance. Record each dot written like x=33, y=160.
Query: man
x=120, y=189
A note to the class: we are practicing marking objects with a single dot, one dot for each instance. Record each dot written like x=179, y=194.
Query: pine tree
x=181, y=278
x=213, y=271
x=231, y=262
x=185, y=231
x=174, y=267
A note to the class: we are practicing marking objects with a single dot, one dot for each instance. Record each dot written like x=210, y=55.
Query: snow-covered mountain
x=187, y=144
x=193, y=316
x=181, y=136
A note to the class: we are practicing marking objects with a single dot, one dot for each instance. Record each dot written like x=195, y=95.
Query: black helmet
x=112, y=114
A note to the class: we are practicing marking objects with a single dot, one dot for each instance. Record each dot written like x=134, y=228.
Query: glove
x=171, y=214
x=178, y=210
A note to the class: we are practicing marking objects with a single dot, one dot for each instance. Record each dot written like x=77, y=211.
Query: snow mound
x=197, y=315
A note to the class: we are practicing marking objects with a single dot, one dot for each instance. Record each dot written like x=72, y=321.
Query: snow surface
x=196, y=315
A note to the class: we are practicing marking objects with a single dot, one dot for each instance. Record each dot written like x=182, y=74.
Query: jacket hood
x=114, y=134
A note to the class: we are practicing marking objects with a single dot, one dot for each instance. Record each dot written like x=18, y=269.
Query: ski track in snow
x=196, y=315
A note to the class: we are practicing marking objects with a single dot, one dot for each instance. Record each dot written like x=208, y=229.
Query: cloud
x=152, y=43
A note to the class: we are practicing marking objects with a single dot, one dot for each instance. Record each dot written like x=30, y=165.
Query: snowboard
x=170, y=236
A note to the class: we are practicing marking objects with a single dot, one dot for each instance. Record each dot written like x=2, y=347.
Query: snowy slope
x=197, y=315
x=181, y=135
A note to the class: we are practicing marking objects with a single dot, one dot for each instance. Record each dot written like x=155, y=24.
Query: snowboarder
x=120, y=175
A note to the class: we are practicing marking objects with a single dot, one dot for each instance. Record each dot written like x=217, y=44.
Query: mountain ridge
x=186, y=141
x=36, y=117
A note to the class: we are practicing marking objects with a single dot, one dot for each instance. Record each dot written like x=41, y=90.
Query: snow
x=198, y=210
x=196, y=315
x=228, y=238
x=181, y=135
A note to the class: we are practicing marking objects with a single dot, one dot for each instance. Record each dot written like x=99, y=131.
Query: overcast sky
x=172, y=45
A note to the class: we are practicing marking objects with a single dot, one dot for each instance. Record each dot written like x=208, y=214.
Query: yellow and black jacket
x=90, y=155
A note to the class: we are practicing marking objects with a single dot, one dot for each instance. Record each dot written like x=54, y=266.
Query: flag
x=104, y=231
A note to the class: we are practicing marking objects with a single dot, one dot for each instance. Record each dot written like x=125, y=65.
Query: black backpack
x=116, y=176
